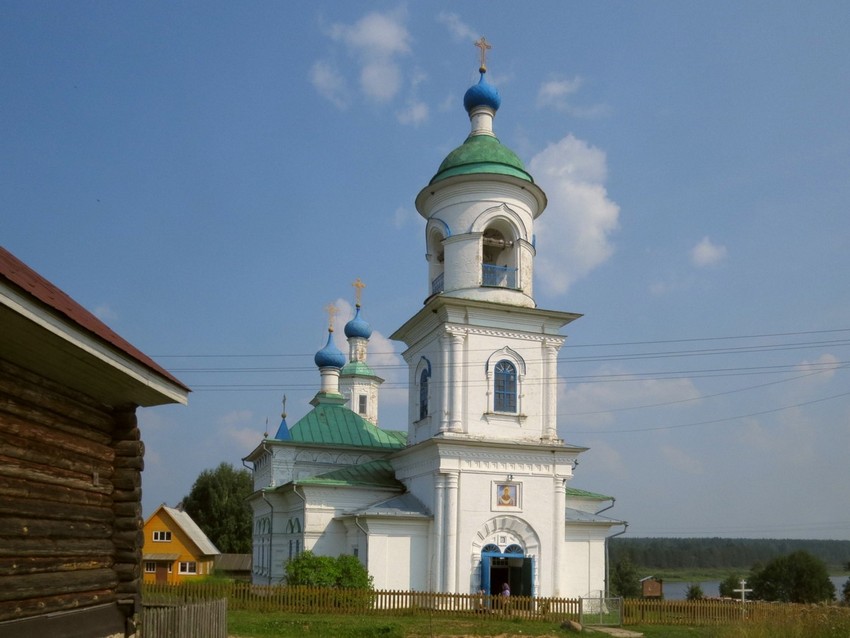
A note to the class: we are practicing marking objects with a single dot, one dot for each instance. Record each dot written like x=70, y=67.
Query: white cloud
x=680, y=460
x=329, y=83
x=402, y=216
x=415, y=113
x=573, y=234
x=105, y=313
x=603, y=458
x=248, y=438
x=375, y=35
x=236, y=417
x=376, y=40
x=584, y=405
x=825, y=365
x=457, y=27
x=556, y=94
x=706, y=253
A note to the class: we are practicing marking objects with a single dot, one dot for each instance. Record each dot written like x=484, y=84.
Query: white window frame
x=161, y=536
x=511, y=355
x=184, y=567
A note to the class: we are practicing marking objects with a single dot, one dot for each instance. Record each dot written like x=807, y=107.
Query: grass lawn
x=253, y=625
x=243, y=624
x=822, y=623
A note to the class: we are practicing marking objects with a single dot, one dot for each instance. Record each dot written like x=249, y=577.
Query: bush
x=694, y=592
x=729, y=584
x=344, y=571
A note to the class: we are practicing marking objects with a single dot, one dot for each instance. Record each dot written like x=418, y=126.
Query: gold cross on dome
x=482, y=44
x=331, y=310
x=358, y=290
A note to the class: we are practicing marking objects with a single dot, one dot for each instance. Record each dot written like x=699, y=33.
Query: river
x=711, y=588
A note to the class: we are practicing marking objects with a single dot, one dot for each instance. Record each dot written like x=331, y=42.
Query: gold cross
x=358, y=290
x=331, y=310
x=484, y=46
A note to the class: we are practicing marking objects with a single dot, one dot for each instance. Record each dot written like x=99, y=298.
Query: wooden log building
x=71, y=458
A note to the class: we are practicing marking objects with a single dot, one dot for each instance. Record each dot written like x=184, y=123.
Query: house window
x=423, y=393
x=504, y=387
x=150, y=567
x=188, y=567
x=361, y=404
x=161, y=537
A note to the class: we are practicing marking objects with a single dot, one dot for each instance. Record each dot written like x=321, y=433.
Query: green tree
x=624, y=579
x=694, y=592
x=344, y=571
x=845, y=591
x=795, y=578
x=729, y=584
x=217, y=503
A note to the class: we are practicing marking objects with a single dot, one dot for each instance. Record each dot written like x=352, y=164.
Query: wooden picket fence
x=313, y=600
x=263, y=598
x=187, y=619
x=637, y=611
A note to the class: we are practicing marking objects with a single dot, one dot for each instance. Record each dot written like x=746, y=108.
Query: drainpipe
x=271, y=532
x=613, y=501
x=366, y=534
x=607, y=566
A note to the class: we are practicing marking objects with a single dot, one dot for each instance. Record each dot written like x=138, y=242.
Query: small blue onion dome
x=329, y=356
x=482, y=94
x=358, y=327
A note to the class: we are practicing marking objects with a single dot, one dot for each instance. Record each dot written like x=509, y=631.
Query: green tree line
x=732, y=553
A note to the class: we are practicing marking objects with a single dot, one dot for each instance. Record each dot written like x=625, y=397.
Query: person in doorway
x=506, y=597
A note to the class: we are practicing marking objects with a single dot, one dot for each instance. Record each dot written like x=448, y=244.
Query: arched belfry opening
x=499, y=265
x=436, y=260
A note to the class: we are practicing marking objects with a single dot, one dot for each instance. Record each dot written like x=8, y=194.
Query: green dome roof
x=357, y=367
x=482, y=154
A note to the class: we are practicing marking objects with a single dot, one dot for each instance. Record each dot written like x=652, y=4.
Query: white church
x=475, y=492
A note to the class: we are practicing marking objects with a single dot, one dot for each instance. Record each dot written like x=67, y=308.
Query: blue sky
x=207, y=177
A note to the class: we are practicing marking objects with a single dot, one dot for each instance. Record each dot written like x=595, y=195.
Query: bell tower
x=480, y=209
x=483, y=375
x=482, y=356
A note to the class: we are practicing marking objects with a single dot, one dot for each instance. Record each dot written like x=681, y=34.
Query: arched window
x=424, y=376
x=514, y=549
x=491, y=548
x=504, y=387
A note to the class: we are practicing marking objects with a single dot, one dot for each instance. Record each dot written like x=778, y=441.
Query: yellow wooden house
x=175, y=548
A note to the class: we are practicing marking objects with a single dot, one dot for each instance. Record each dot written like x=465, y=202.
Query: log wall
x=70, y=499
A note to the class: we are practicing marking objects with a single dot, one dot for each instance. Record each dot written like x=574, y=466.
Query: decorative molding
x=510, y=334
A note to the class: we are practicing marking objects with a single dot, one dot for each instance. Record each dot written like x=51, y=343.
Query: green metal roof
x=482, y=154
x=577, y=493
x=359, y=368
x=378, y=473
x=331, y=423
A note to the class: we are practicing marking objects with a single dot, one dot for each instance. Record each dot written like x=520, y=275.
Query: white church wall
x=526, y=424
x=398, y=554
x=583, y=565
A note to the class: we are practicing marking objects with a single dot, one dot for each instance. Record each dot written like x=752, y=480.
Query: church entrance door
x=515, y=569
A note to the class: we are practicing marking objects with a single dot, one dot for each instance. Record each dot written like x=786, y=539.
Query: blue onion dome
x=482, y=94
x=329, y=356
x=358, y=327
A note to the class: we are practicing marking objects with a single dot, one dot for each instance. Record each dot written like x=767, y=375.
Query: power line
x=568, y=346
x=713, y=421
